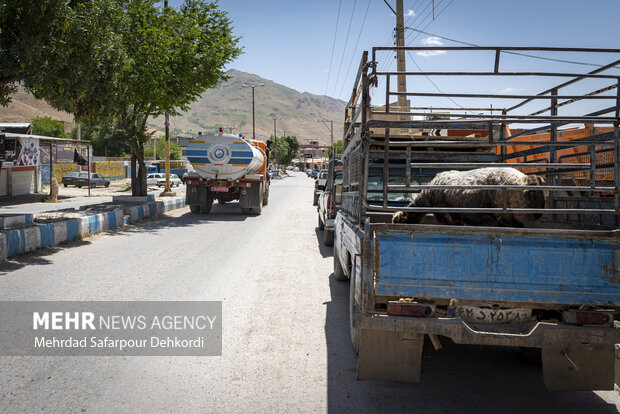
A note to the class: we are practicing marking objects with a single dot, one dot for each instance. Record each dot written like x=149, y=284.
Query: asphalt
x=286, y=343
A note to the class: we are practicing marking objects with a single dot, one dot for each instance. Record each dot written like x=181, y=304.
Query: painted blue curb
x=20, y=241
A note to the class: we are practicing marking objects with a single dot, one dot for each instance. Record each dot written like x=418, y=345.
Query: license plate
x=220, y=189
x=485, y=315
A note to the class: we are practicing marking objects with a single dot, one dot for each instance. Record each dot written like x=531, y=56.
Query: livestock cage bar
x=395, y=149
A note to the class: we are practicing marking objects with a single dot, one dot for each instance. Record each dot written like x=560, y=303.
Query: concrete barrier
x=34, y=236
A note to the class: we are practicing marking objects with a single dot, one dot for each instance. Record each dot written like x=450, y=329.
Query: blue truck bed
x=498, y=265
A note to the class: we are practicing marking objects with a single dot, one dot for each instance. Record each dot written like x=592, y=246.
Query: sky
x=315, y=46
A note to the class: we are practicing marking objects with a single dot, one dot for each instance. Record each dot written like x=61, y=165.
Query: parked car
x=296, y=169
x=174, y=180
x=151, y=179
x=319, y=185
x=69, y=178
x=96, y=179
x=329, y=201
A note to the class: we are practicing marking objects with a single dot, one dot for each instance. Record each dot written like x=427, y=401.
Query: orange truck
x=226, y=168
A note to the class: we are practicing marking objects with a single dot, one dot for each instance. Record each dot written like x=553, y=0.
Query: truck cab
x=329, y=200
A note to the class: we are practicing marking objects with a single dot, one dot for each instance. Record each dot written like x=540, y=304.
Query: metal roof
x=49, y=140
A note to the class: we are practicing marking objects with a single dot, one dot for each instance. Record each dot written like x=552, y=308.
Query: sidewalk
x=27, y=223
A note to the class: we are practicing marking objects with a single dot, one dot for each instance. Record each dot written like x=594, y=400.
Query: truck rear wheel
x=194, y=209
x=328, y=237
x=245, y=210
x=320, y=225
x=338, y=270
x=207, y=207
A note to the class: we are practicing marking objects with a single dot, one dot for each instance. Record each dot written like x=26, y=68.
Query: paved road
x=285, y=338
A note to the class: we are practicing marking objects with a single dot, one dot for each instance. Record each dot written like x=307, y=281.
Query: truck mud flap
x=578, y=367
x=389, y=356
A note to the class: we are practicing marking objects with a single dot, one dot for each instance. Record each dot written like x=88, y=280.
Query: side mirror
x=338, y=194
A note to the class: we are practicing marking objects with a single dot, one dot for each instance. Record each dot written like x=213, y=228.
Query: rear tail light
x=418, y=310
x=330, y=202
x=192, y=182
x=245, y=184
x=588, y=317
x=316, y=184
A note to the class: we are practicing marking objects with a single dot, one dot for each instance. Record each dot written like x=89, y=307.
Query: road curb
x=35, y=236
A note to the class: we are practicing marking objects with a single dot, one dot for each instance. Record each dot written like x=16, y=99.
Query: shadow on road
x=326, y=251
x=459, y=378
x=37, y=257
x=228, y=212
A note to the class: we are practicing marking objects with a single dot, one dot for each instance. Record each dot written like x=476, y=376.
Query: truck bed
x=534, y=266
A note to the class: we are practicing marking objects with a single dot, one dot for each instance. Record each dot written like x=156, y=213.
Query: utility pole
x=167, y=191
x=331, y=129
x=400, y=54
x=253, y=86
x=275, y=118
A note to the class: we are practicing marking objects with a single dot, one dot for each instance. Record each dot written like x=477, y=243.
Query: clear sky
x=290, y=42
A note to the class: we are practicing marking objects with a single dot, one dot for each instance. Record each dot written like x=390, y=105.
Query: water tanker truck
x=226, y=168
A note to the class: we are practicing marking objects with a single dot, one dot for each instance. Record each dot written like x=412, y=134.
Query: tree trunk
x=138, y=175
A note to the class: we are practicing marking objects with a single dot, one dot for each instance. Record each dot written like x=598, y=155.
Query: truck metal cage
x=568, y=133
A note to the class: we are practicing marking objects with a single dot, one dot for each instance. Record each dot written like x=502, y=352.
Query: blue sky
x=290, y=42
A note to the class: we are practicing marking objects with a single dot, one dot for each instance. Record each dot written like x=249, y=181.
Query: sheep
x=478, y=198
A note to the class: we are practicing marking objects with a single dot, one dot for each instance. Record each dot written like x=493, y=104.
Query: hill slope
x=230, y=105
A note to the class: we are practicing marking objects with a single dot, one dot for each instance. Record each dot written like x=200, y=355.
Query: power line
x=355, y=48
x=509, y=52
x=346, y=41
x=333, y=47
x=388, y=4
x=432, y=20
x=431, y=81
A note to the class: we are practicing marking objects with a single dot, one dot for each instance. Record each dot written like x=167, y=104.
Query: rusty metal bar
x=574, y=143
x=408, y=168
x=531, y=164
x=386, y=167
x=494, y=210
x=533, y=97
x=586, y=96
x=511, y=74
x=414, y=188
x=497, y=54
x=495, y=48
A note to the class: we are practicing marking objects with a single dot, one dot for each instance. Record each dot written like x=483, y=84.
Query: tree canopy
x=48, y=126
x=126, y=60
x=285, y=149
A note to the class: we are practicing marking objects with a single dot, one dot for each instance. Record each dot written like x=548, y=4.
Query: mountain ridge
x=228, y=105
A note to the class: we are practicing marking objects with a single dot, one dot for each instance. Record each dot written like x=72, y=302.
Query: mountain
x=230, y=105
x=227, y=105
x=25, y=106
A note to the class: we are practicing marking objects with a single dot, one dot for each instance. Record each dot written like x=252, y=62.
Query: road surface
x=285, y=327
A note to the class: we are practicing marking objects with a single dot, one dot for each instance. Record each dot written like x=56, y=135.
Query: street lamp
x=252, y=85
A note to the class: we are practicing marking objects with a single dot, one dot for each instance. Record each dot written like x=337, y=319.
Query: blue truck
x=551, y=288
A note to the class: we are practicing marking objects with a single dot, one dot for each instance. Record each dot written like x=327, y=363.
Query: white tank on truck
x=226, y=168
x=224, y=156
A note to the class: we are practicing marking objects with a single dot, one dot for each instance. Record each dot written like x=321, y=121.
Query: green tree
x=175, y=150
x=48, y=126
x=31, y=32
x=107, y=137
x=285, y=149
x=130, y=59
x=337, y=145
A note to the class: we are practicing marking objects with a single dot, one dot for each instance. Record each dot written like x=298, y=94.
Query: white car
x=174, y=180
x=151, y=179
